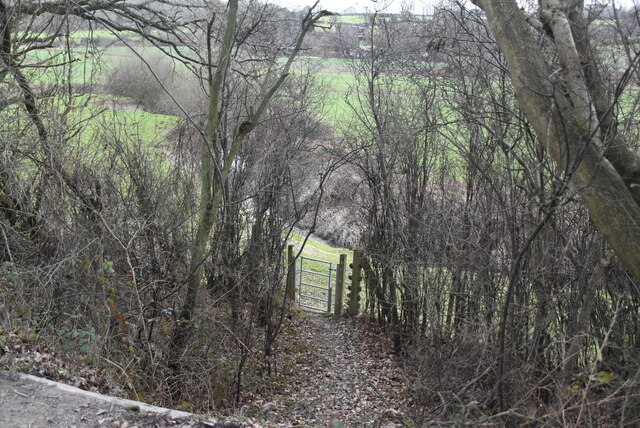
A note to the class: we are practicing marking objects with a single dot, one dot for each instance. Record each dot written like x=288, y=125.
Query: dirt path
x=345, y=376
x=351, y=382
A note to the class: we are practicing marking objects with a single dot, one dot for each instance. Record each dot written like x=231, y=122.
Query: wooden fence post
x=291, y=275
x=354, y=288
x=342, y=265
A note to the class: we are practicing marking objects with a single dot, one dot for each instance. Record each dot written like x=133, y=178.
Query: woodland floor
x=349, y=380
x=345, y=376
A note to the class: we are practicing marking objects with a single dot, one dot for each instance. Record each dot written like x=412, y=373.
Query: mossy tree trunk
x=216, y=166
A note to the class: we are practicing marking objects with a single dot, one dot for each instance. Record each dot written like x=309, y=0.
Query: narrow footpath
x=342, y=374
x=350, y=380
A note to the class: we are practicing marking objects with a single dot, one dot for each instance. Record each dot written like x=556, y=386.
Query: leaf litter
x=341, y=374
x=346, y=376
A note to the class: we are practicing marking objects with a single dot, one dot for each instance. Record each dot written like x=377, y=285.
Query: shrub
x=133, y=79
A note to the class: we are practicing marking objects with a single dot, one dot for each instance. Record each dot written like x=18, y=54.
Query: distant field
x=317, y=250
x=87, y=65
x=361, y=19
x=98, y=138
x=95, y=121
x=343, y=94
x=91, y=65
x=140, y=125
x=345, y=19
x=322, y=64
x=346, y=95
x=80, y=35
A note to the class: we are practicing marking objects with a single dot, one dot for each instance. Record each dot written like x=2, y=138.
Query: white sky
x=388, y=6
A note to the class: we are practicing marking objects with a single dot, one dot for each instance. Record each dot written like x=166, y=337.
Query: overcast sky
x=389, y=6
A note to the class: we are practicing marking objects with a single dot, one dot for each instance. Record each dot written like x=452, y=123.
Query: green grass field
x=80, y=36
x=318, y=250
x=362, y=19
x=140, y=125
x=344, y=19
x=317, y=271
x=86, y=66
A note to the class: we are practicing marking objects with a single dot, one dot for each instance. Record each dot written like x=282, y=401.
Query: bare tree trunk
x=580, y=330
x=215, y=170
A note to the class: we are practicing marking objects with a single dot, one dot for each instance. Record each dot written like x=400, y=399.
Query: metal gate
x=315, y=284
